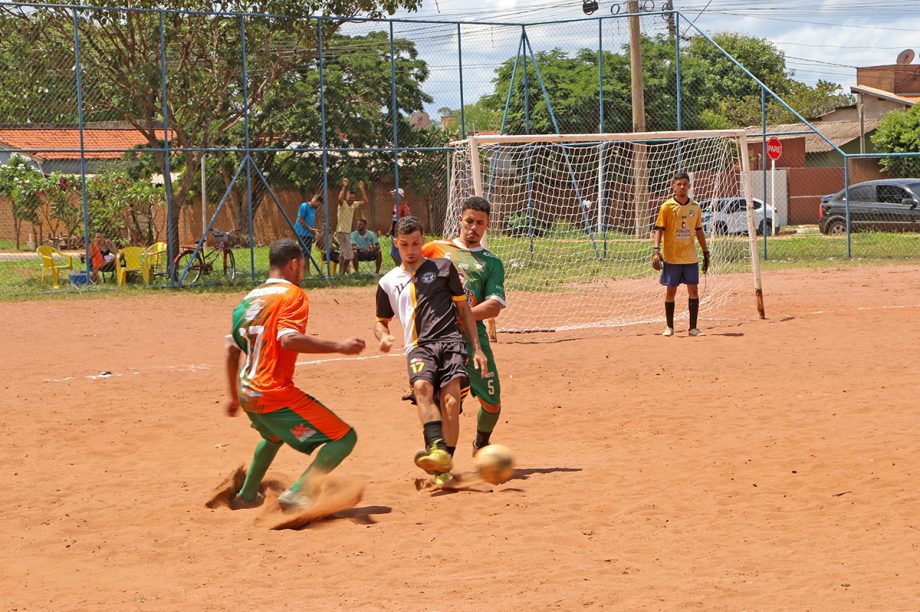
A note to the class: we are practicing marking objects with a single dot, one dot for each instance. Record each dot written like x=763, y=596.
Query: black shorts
x=438, y=363
x=367, y=255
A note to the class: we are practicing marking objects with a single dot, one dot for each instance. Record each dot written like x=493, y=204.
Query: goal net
x=572, y=217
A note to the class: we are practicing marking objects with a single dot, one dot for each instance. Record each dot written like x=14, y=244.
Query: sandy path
x=768, y=465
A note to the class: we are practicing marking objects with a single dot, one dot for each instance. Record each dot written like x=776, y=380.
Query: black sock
x=482, y=438
x=433, y=435
x=669, y=313
x=451, y=449
x=694, y=311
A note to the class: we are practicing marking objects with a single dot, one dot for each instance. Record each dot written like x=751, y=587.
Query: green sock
x=328, y=458
x=486, y=421
x=261, y=459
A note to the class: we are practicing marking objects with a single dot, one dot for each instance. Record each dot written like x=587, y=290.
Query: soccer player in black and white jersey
x=428, y=297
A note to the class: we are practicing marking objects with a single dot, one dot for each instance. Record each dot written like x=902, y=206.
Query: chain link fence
x=170, y=148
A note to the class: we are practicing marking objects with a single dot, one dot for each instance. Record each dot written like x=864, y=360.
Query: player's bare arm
x=300, y=343
x=489, y=309
x=701, y=237
x=656, y=247
x=468, y=327
x=382, y=333
x=364, y=199
x=233, y=373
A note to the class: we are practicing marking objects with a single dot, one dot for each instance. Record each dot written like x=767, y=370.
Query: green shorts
x=299, y=429
x=488, y=388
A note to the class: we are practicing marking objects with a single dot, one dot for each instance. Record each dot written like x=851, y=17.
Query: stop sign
x=774, y=148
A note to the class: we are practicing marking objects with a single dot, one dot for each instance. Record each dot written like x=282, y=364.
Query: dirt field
x=768, y=465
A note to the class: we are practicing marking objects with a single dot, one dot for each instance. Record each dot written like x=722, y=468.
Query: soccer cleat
x=434, y=461
x=668, y=331
x=476, y=447
x=695, y=332
x=293, y=500
x=238, y=503
x=443, y=478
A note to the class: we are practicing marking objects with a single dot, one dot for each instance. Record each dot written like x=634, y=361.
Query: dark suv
x=891, y=205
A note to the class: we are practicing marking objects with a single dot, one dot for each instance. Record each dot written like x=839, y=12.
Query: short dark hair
x=282, y=251
x=409, y=225
x=679, y=176
x=477, y=203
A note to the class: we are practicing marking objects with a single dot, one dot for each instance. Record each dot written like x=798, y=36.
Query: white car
x=729, y=216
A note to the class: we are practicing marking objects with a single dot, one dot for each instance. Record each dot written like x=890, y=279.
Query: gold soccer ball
x=495, y=463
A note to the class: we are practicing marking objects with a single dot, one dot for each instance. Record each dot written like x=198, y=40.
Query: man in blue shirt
x=305, y=226
x=366, y=245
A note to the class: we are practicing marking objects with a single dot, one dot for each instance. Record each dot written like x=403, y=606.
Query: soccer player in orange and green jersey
x=269, y=327
x=679, y=221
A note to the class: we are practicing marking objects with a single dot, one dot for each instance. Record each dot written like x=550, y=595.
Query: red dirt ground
x=768, y=465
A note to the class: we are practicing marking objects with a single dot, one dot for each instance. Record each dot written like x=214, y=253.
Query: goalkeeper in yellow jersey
x=484, y=280
x=674, y=252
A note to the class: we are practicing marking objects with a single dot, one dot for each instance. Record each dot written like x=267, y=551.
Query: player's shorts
x=488, y=388
x=438, y=362
x=344, y=239
x=299, y=420
x=673, y=275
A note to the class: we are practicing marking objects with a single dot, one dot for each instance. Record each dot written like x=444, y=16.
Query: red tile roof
x=95, y=141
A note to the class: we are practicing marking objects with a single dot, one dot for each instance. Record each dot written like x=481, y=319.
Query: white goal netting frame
x=572, y=216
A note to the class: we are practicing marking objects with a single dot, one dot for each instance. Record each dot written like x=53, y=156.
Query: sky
x=822, y=39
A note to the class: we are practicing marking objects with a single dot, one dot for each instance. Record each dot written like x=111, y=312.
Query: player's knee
x=450, y=402
x=423, y=389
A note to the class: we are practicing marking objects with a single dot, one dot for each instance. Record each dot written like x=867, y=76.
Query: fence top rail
x=124, y=9
x=599, y=137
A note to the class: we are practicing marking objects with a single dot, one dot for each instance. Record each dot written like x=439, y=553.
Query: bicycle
x=209, y=259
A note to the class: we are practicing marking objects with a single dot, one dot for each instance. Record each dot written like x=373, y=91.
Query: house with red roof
x=56, y=148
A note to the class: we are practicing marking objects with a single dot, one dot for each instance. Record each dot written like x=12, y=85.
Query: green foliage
x=121, y=208
x=716, y=93
x=899, y=132
x=23, y=184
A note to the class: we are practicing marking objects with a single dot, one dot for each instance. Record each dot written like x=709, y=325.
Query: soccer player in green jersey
x=484, y=279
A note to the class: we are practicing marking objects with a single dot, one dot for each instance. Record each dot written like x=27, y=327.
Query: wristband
x=655, y=249
x=705, y=252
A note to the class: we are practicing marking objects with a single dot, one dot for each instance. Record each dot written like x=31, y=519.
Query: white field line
x=193, y=367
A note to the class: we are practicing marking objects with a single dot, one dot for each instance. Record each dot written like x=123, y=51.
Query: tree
x=899, y=132
x=358, y=116
x=572, y=83
x=22, y=183
x=120, y=62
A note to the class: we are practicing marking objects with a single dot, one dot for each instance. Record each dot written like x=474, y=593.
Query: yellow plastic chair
x=49, y=267
x=130, y=259
x=154, y=262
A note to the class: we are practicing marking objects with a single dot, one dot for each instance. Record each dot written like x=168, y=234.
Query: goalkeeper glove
x=705, y=261
x=656, y=258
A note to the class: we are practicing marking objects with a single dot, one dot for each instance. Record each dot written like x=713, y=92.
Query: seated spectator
x=101, y=255
x=366, y=245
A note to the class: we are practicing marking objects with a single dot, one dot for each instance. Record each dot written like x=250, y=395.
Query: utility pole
x=669, y=17
x=640, y=161
x=635, y=67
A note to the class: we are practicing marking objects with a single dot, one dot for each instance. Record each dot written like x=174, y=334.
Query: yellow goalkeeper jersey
x=679, y=222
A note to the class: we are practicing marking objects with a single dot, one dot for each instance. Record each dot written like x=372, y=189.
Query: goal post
x=572, y=216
